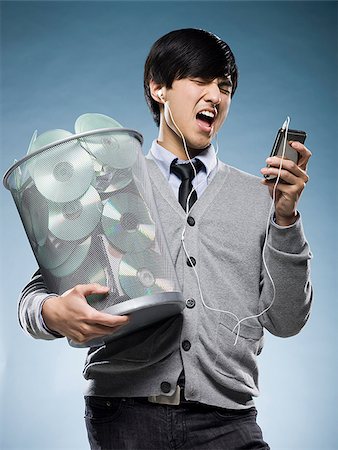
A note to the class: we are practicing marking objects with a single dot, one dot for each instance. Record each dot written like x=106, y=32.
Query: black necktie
x=186, y=173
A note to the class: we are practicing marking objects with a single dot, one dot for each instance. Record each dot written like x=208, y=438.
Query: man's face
x=198, y=107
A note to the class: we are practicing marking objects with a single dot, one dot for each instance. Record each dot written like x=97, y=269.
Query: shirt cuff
x=273, y=221
x=287, y=239
x=42, y=322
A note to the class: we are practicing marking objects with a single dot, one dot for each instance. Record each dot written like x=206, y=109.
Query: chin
x=200, y=145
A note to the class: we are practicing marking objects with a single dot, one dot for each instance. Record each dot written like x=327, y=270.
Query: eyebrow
x=226, y=82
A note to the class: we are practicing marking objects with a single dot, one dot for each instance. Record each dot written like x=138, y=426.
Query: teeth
x=208, y=114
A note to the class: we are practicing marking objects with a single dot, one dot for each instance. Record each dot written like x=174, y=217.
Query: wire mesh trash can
x=87, y=207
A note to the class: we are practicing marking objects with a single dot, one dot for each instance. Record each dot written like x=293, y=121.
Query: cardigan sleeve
x=287, y=256
x=31, y=300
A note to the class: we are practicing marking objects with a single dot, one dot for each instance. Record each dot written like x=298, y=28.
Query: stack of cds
x=86, y=203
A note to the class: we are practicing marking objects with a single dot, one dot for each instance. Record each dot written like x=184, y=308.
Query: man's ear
x=156, y=91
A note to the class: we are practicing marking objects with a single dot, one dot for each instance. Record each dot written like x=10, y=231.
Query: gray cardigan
x=226, y=242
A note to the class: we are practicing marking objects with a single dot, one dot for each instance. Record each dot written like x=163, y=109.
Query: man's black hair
x=186, y=53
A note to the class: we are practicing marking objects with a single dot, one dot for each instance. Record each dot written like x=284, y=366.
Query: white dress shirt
x=164, y=158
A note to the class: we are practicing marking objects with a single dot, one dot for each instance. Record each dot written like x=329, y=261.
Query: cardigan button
x=165, y=387
x=190, y=303
x=191, y=221
x=191, y=262
x=186, y=345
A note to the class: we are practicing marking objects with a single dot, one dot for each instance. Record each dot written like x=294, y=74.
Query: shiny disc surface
x=94, y=121
x=127, y=223
x=76, y=219
x=110, y=180
x=116, y=149
x=54, y=252
x=64, y=173
x=33, y=139
x=48, y=137
x=143, y=273
x=37, y=142
x=74, y=261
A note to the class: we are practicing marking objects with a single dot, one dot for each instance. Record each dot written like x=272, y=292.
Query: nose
x=213, y=93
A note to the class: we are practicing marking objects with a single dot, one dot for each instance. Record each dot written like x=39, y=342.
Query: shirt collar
x=164, y=158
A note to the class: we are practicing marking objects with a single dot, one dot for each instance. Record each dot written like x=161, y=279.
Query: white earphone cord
x=239, y=321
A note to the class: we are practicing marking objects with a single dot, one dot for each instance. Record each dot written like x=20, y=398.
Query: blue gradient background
x=62, y=59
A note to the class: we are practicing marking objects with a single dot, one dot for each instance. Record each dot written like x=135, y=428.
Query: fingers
x=86, y=331
x=304, y=153
x=91, y=326
x=71, y=315
x=91, y=323
x=83, y=290
x=107, y=320
x=293, y=178
x=298, y=170
x=290, y=172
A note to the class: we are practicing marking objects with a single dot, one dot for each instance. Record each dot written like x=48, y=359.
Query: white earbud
x=160, y=95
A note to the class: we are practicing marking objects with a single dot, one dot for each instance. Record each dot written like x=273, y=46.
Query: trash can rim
x=135, y=133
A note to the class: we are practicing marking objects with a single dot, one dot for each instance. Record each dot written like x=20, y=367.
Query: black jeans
x=136, y=424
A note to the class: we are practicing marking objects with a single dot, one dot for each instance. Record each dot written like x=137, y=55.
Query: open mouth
x=206, y=118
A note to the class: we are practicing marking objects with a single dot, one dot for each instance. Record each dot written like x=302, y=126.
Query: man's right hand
x=71, y=316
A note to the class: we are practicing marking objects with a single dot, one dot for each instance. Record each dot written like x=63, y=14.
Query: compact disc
x=116, y=149
x=64, y=173
x=127, y=223
x=143, y=273
x=97, y=165
x=75, y=220
x=74, y=261
x=114, y=252
x=33, y=139
x=34, y=213
x=46, y=138
x=37, y=142
x=22, y=175
x=91, y=271
x=16, y=178
x=25, y=167
x=110, y=180
x=54, y=252
x=94, y=121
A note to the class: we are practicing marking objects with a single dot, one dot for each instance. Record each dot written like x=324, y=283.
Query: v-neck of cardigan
x=198, y=209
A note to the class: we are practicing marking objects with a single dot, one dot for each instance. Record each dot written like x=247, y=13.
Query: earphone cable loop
x=285, y=127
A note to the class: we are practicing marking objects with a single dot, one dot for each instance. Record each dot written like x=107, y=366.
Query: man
x=189, y=381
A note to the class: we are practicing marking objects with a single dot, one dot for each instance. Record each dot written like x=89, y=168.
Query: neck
x=180, y=152
x=174, y=144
